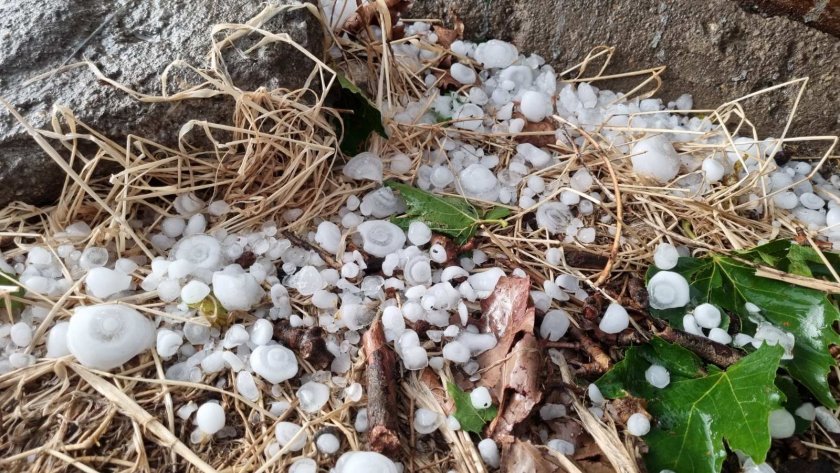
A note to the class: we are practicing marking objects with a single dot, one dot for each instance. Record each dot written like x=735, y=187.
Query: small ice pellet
x=194, y=292
x=218, y=208
x=586, y=235
x=327, y=443
x=437, y=253
x=553, y=256
x=456, y=352
x=173, y=227
x=489, y=452
x=285, y=433
x=361, y=422
x=480, y=398
x=303, y=465
x=720, y=335
x=246, y=386
x=707, y=315
x=806, y=411
x=168, y=342
x=561, y=446
x=419, y=233
x=261, y=332
x=533, y=105
x=554, y=325
x=415, y=358
x=638, y=424
x=665, y=256
x=463, y=74
x=595, y=395
x=786, y=200
x=811, y=201
x=782, y=424
x=713, y=169
x=751, y=308
x=658, y=376
x=827, y=420
x=552, y=411
x=690, y=325
x=21, y=334
x=452, y=423
x=328, y=236
x=581, y=180
x=210, y=418
x=426, y=421
x=615, y=319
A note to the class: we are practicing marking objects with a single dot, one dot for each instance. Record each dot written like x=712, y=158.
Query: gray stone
x=131, y=45
x=713, y=49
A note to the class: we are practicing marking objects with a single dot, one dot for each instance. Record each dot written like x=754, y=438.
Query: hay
x=278, y=155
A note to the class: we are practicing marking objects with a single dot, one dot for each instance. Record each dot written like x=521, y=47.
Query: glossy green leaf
x=787, y=256
x=806, y=313
x=470, y=418
x=212, y=310
x=452, y=216
x=360, y=119
x=497, y=213
x=695, y=416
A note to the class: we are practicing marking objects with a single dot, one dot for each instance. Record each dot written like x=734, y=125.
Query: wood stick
x=381, y=373
x=308, y=342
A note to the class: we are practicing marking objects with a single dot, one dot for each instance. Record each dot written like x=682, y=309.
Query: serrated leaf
x=697, y=412
x=790, y=257
x=361, y=119
x=452, y=216
x=806, y=313
x=470, y=418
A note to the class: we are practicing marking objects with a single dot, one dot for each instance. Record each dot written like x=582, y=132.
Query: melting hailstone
x=57, y=340
x=103, y=282
x=782, y=424
x=107, y=335
x=489, y=452
x=419, y=233
x=365, y=165
x=203, y=251
x=367, y=462
x=327, y=443
x=275, y=363
x=707, y=315
x=210, y=418
x=665, y=256
x=638, y=424
x=328, y=236
x=561, y=446
x=554, y=325
x=312, y=396
x=668, y=290
x=426, y=421
x=380, y=237
x=304, y=465
x=287, y=435
x=480, y=398
x=479, y=182
x=615, y=319
x=236, y=289
x=496, y=54
x=554, y=217
x=658, y=376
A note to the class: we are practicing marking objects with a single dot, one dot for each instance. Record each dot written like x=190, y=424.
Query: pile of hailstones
x=345, y=299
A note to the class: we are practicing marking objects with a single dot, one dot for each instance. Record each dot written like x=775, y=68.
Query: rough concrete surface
x=712, y=49
x=133, y=47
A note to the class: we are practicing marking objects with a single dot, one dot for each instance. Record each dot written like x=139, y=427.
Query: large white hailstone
x=665, y=256
x=668, y=290
x=275, y=363
x=707, y=315
x=365, y=462
x=720, y=335
x=554, y=217
x=246, y=386
x=307, y=281
x=327, y=443
x=57, y=340
x=690, y=325
x=168, y=343
x=426, y=421
x=782, y=424
x=561, y=446
x=381, y=203
x=365, y=165
x=489, y=452
x=484, y=282
x=638, y=424
x=328, y=236
x=312, y=396
x=235, y=289
x=479, y=182
x=554, y=325
x=538, y=157
x=104, y=282
x=658, y=376
x=587, y=95
x=534, y=106
x=806, y=411
x=21, y=334
x=520, y=75
x=453, y=272
x=496, y=54
x=418, y=270
x=713, y=170
x=380, y=238
x=203, y=251
x=287, y=435
x=615, y=319
x=210, y=418
x=767, y=332
x=468, y=116
x=826, y=419
x=656, y=158
x=419, y=233
x=462, y=73
x=107, y=335
x=305, y=465
x=480, y=398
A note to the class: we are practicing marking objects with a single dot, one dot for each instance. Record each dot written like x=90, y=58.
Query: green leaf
x=470, y=418
x=793, y=258
x=806, y=313
x=452, y=216
x=695, y=416
x=497, y=213
x=361, y=119
x=697, y=411
x=8, y=280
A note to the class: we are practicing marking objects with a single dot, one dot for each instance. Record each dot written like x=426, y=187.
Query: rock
x=714, y=50
x=133, y=46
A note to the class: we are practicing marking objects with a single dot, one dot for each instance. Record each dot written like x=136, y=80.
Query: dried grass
x=277, y=155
